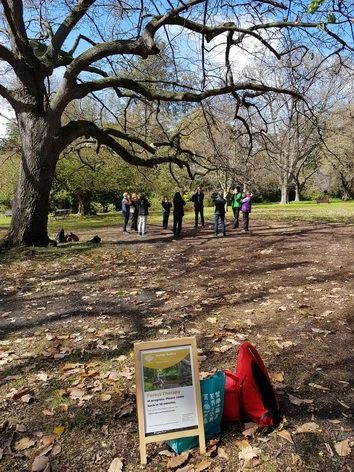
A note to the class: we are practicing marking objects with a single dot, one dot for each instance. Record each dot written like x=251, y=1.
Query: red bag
x=250, y=394
x=231, y=399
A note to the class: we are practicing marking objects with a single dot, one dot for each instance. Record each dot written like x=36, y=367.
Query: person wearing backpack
x=246, y=207
x=236, y=205
x=143, y=208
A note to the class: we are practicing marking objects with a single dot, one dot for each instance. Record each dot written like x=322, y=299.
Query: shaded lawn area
x=69, y=317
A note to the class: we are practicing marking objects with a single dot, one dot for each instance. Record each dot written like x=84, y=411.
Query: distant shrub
x=98, y=208
x=111, y=207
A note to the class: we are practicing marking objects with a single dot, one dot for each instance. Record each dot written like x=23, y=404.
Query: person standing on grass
x=166, y=209
x=219, y=203
x=143, y=209
x=236, y=205
x=246, y=207
x=198, y=200
x=178, y=213
x=125, y=210
x=134, y=212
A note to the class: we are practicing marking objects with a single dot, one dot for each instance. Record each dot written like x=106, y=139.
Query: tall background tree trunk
x=85, y=198
x=40, y=152
x=284, y=189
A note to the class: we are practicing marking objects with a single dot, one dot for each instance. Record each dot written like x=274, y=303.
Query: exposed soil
x=69, y=317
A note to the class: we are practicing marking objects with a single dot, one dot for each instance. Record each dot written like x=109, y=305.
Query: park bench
x=62, y=212
x=323, y=199
x=8, y=213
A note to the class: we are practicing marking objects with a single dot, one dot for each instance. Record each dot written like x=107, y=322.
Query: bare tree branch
x=66, y=27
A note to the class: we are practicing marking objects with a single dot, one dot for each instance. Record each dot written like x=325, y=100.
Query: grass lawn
x=334, y=212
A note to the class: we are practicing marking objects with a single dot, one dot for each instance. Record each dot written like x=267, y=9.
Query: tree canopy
x=54, y=54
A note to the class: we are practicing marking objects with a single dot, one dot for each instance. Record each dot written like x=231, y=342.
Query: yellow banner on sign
x=164, y=359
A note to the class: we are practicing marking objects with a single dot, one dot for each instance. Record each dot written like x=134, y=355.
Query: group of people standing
x=136, y=208
x=240, y=202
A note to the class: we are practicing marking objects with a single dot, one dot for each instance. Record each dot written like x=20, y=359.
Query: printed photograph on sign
x=169, y=398
x=158, y=377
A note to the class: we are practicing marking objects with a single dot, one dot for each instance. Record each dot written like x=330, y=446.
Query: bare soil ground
x=69, y=318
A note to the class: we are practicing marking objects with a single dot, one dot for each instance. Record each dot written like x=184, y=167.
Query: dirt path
x=68, y=322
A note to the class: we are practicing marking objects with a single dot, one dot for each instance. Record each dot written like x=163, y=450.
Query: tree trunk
x=84, y=202
x=40, y=152
x=297, y=192
x=284, y=190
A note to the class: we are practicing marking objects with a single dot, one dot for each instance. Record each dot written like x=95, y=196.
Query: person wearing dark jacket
x=126, y=210
x=143, y=209
x=178, y=213
x=166, y=208
x=219, y=203
x=134, y=212
x=198, y=200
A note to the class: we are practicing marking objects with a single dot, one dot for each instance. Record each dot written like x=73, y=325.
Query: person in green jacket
x=236, y=205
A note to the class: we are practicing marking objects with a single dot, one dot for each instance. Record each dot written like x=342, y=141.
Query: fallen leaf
x=56, y=450
x=249, y=453
x=27, y=398
x=320, y=387
x=105, y=397
x=187, y=468
x=343, y=448
x=242, y=443
x=308, y=428
x=277, y=376
x=48, y=413
x=20, y=428
x=39, y=463
x=42, y=376
x=285, y=435
x=24, y=443
x=116, y=465
x=125, y=409
x=177, y=461
x=202, y=466
x=59, y=430
x=298, y=401
x=222, y=453
x=166, y=453
x=250, y=429
x=212, y=320
x=211, y=451
x=48, y=439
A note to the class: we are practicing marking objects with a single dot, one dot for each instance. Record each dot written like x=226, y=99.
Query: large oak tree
x=55, y=52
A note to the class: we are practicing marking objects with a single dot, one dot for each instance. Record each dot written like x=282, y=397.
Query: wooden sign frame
x=157, y=436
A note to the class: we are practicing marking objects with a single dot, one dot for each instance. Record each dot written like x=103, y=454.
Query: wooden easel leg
x=143, y=457
x=202, y=446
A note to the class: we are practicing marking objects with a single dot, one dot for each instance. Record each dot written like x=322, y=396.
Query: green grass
x=334, y=212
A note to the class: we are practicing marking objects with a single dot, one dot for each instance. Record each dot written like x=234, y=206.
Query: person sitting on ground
x=125, y=210
x=246, y=207
x=166, y=208
x=178, y=213
x=219, y=203
x=143, y=209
